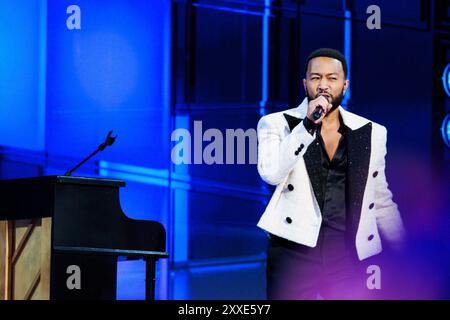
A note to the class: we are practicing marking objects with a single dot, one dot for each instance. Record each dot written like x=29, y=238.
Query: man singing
x=331, y=208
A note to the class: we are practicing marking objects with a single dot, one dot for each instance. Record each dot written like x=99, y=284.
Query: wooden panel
x=27, y=257
x=46, y=248
x=26, y=265
x=5, y=259
x=3, y=228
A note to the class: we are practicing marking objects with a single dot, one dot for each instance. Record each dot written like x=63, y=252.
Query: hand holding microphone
x=317, y=113
x=318, y=108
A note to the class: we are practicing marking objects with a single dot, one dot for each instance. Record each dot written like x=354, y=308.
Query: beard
x=335, y=100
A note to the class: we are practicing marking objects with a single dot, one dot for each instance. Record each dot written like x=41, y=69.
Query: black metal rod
x=68, y=173
x=150, y=279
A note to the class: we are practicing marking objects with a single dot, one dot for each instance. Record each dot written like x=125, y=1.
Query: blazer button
x=296, y=152
x=301, y=147
x=375, y=174
x=371, y=205
x=370, y=237
x=290, y=187
x=288, y=220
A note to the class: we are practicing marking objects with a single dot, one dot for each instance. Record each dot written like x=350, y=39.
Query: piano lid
x=64, y=180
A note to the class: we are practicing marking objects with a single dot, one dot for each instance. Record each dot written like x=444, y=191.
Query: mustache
x=331, y=98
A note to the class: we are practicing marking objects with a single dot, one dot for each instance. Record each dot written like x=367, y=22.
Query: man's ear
x=304, y=85
x=346, y=83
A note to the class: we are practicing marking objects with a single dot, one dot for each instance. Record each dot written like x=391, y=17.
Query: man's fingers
x=325, y=100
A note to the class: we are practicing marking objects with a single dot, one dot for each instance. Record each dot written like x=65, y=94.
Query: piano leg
x=150, y=278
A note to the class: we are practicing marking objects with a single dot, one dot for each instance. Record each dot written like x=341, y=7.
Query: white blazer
x=287, y=155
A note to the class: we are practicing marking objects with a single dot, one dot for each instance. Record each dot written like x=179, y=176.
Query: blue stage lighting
x=445, y=130
x=446, y=79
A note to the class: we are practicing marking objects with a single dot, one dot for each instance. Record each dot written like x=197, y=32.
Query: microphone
x=108, y=142
x=317, y=113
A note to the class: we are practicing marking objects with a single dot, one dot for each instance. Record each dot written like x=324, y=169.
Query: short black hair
x=330, y=53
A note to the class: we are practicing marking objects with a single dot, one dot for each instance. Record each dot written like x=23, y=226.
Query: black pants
x=329, y=270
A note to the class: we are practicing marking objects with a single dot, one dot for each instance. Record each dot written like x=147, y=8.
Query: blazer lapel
x=359, y=149
x=292, y=121
x=313, y=163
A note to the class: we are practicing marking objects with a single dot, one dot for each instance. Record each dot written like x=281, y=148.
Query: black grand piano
x=61, y=237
